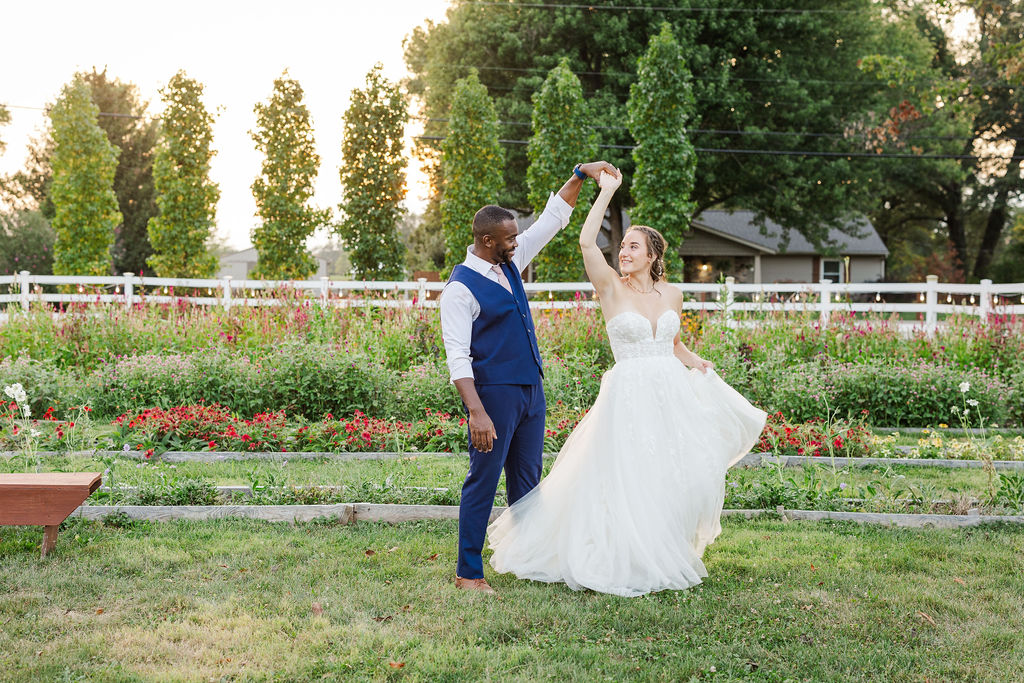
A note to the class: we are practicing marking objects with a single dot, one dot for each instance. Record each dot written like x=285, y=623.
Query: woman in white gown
x=637, y=490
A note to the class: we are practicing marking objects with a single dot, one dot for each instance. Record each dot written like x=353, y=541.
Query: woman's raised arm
x=601, y=275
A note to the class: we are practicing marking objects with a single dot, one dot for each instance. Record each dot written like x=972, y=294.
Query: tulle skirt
x=636, y=492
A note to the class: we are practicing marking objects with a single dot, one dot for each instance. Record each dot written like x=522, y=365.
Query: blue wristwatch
x=578, y=173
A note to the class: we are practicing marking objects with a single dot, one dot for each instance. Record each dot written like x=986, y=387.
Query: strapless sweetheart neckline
x=654, y=325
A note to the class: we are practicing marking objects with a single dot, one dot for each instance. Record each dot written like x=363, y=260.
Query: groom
x=495, y=364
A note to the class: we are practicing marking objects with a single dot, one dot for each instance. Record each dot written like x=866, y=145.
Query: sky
x=235, y=49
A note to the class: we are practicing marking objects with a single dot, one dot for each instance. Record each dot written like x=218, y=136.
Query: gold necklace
x=629, y=284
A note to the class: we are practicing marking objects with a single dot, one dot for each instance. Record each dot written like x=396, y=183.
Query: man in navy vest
x=495, y=364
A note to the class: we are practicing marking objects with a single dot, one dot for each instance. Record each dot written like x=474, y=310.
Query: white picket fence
x=927, y=302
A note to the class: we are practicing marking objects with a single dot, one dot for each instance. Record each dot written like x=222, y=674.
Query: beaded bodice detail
x=631, y=335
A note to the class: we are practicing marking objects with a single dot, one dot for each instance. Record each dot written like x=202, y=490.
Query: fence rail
x=927, y=300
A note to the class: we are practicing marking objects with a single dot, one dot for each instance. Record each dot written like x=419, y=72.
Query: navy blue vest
x=504, y=344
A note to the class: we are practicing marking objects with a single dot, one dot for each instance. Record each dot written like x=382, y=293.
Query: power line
x=770, y=133
x=523, y=69
x=631, y=8
x=787, y=152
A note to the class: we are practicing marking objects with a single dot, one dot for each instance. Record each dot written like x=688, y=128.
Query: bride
x=636, y=492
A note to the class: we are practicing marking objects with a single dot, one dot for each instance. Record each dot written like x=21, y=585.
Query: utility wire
x=787, y=152
x=631, y=8
x=725, y=131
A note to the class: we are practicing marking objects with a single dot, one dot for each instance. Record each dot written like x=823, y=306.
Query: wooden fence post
x=325, y=291
x=129, y=289
x=23, y=278
x=931, y=318
x=421, y=295
x=985, y=304
x=225, y=285
x=730, y=299
x=825, y=301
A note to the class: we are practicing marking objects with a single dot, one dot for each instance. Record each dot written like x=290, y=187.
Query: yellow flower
x=943, y=425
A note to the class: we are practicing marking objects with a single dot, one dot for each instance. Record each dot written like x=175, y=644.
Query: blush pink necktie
x=502, y=280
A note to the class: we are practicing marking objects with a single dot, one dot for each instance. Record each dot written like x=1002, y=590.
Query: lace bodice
x=631, y=335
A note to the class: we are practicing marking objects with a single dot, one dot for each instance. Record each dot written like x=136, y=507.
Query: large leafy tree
x=758, y=69
x=966, y=102
x=85, y=206
x=471, y=161
x=123, y=118
x=373, y=178
x=26, y=242
x=187, y=198
x=284, y=135
x=660, y=104
x=561, y=138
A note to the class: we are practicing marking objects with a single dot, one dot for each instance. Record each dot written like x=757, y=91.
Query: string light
x=972, y=299
x=949, y=298
x=878, y=296
x=922, y=296
x=81, y=289
x=117, y=289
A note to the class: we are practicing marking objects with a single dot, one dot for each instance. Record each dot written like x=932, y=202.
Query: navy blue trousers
x=517, y=412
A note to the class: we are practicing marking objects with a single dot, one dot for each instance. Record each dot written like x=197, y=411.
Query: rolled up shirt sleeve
x=458, y=310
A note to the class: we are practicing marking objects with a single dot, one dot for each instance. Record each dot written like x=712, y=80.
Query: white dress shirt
x=459, y=308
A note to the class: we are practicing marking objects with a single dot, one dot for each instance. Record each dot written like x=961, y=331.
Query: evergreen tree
x=660, y=104
x=85, y=206
x=562, y=137
x=285, y=136
x=471, y=160
x=373, y=178
x=187, y=198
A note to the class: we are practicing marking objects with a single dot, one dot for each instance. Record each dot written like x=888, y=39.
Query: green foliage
x=26, y=243
x=472, y=162
x=561, y=139
x=284, y=135
x=135, y=135
x=373, y=178
x=5, y=118
x=84, y=162
x=185, y=194
x=754, y=71
x=660, y=105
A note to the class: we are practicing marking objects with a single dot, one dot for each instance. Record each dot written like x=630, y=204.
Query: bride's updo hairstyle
x=655, y=247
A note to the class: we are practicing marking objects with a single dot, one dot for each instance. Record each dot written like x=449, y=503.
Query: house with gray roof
x=730, y=243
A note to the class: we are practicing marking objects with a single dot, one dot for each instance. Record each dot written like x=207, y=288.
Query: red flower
x=212, y=445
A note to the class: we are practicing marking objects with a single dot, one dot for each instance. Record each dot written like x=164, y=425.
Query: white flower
x=17, y=392
x=25, y=410
x=965, y=387
x=973, y=403
x=34, y=433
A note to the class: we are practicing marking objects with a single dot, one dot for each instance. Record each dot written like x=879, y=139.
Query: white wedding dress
x=636, y=492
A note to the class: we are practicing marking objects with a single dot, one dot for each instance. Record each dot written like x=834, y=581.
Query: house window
x=832, y=270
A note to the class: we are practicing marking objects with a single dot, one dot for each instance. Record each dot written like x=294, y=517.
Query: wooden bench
x=44, y=499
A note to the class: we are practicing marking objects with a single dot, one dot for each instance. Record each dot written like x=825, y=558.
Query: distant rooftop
x=739, y=225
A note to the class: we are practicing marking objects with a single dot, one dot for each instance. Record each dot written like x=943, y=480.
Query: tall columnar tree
x=285, y=136
x=373, y=178
x=127, y=127
x=187, y=198
x=471, y=160
x=562, y=137
x=660, y=104
x=85, y=206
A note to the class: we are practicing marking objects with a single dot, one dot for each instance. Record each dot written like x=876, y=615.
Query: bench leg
x=49, y=538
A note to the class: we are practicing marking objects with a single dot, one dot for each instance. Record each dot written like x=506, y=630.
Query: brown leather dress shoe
x=473, y=585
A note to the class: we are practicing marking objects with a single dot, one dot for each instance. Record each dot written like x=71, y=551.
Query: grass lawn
x=242, y=600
